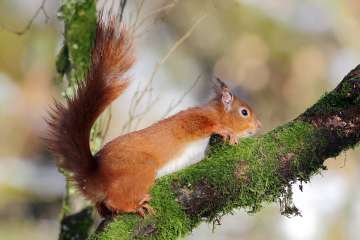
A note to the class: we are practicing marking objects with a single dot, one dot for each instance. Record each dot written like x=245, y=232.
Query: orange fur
x=119, y=176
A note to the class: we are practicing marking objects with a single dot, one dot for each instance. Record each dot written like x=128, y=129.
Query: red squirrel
x=118, y=177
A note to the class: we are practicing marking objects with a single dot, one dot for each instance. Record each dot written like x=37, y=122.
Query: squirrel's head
x=235, y=113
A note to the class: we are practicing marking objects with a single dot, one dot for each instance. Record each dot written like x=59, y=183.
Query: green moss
x=79, y=17
x=264, y=156
x=63, y=65
x=335, y=100
x=261, y=158
x=173, y=222
x=76, y=226
x=170, y=224
x=329, y=102
x=117, y=228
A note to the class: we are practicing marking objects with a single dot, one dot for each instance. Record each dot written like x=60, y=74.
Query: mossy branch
x=254, y=172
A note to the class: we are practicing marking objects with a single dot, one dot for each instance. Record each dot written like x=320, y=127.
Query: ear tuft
x=222, y=84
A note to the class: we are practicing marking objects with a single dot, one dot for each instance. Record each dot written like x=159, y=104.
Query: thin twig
x=150, y=19
x=41, y=9
x=137, y=16
x=139, y=94
x=183, y=38
x=155, y=12
x=122, y=9
x=176, y=103
x=137, y=24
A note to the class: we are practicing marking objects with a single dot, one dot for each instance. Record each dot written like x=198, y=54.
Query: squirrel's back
x=70, y=124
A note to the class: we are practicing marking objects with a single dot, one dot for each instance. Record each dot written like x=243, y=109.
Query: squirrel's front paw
x=229, y=136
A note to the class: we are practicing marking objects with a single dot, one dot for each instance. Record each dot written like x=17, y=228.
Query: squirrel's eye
x=244, y=112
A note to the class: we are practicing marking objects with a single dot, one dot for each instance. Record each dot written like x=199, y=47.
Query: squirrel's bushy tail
x=70, y=124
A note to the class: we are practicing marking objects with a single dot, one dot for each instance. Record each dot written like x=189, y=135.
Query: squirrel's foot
x=145, y=209
x=229, y=136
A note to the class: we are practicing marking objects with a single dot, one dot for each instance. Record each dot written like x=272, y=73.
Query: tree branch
x=140, y=95
x=40, y=9
x=256, y=171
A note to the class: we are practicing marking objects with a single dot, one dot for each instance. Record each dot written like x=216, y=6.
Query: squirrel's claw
x=233, y=140
x=229, y=136
x=145, y=209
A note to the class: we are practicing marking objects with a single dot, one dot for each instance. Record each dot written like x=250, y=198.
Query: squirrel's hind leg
x=129, y=192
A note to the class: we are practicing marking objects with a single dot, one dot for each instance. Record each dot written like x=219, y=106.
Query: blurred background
x=279, y=55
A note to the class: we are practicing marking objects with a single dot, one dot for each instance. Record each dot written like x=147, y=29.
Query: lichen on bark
x=79, y=17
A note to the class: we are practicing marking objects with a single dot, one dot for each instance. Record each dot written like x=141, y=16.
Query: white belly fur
x=192, y=154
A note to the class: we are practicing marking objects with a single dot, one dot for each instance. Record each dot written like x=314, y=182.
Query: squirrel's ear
x=227, y=100
x=226, y=96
